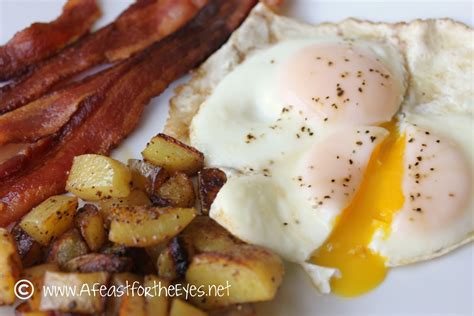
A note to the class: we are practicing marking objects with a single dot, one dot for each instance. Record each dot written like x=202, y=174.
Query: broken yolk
x=379, y=197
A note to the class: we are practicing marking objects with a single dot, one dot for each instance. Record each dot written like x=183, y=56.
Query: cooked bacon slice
x=41, y=40
x=142, y=24
x=102, y=124
x=48, y=114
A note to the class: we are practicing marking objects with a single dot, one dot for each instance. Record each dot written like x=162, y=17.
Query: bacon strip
x=41, y=40
x=48, y=114
x=103, y=123
x=142, y=24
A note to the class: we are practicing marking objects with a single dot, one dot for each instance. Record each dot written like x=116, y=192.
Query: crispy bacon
x=41, y=40
x=101, y=124
x=48, y=114
x=143, y=23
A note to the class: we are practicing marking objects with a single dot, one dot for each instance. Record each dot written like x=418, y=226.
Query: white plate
x=440, y=287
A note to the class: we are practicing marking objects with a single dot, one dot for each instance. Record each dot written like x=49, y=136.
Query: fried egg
x=348, y=147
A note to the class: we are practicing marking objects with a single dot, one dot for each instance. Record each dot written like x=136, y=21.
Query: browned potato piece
x=30, y=251
x=210, y=181
x=119, y=280
x=96, y=177
x=143, y=174
x=158, y=303
x=90, y=223
x=132, y=305
x=136, y=198
x=235, y=310
x=181, y=308
x=118, y=305
x=206, y=235
x=252, y=273
x=70, y=245
x=173, y=155
x=174, y=259
x=36, y=276
x=10, y=267
x=176, y=190
x=50, y=219
x=96, y=262
x=140, y=226
x=82, y=301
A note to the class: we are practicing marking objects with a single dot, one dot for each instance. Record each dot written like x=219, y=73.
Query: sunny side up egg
x=323, y=171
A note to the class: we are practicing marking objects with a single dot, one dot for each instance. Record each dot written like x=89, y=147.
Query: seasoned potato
x=90, y=223
x=115, y=249
x=121, y=305
x=140, y=226
x=169, y=153
x=175, y=189
x=36, y=276
x=205, y=235
x=50, y=219
x=253, y=274
x=135, y=198
x=210, y=181
x=157, y=304
x=181, y=308
x=97, y=262
x=70, y=245
x=174, y=259
x=96, y=177
x=30, y=251
x=79, y=302
x=143, y=174
x=10, y=267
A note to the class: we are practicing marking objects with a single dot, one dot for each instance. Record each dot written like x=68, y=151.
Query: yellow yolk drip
x=378, y=198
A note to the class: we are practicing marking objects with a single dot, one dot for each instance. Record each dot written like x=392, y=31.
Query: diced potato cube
x=10, y=267
x=30, y=251
x=181, y=308
x=132, y=305
x=50, y=219
x=135, y=198
x=246, y=274
x=173, y=155
x=90, y=223
x=117, y=305
x=210, y=181
x=206, y=235
x=158, y=303
x=96, y=177
x=147, y=226
x=80, y=300
x=68, y=246
x=176, y=190
x=173, y=261
x=143, y=174
x=36, y=276
x=98, y=262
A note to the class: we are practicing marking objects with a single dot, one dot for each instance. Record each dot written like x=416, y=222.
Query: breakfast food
x=41, y=40
x=152, y=245
x=142, y=24
x=348, y=149
x=93, y=130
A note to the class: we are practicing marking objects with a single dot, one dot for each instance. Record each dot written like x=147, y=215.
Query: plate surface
x=442, y=286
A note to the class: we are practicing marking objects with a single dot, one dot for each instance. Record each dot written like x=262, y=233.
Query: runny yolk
x=378, y=198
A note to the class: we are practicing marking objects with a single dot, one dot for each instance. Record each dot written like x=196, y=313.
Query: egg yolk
x=379, y=197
